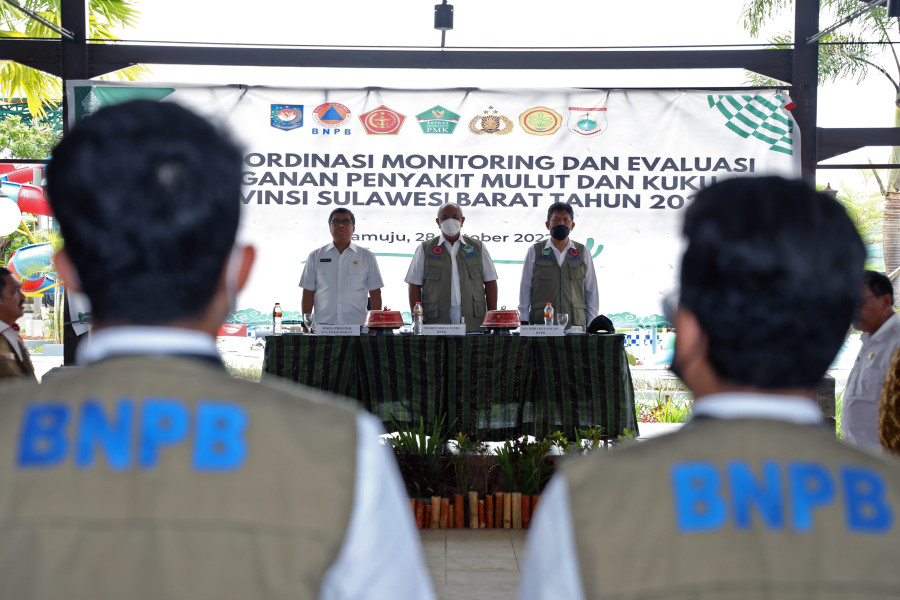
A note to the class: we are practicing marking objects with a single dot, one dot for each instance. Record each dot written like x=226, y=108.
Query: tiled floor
x=474, y=564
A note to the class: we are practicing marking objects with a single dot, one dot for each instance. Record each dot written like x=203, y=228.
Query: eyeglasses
x=341, y=222
x=558, y=221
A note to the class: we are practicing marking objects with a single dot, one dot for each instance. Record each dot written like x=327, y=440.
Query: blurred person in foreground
x=754, y=497
x=149, y=472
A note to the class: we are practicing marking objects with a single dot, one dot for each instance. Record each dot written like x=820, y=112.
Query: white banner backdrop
x=628, y=161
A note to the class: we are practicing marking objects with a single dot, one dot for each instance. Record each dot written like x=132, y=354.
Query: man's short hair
x=3, y=273
x=342, y=211
x=772, y=271
x=557, y=206
x=147, y=195
x=879, y=283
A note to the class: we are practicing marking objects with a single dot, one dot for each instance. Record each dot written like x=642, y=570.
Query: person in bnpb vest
x=754, y=497
x=452, y=275
x=14, y=359
x=880, y=338
x=149, y=472
x=559, y=271
x=339, y=277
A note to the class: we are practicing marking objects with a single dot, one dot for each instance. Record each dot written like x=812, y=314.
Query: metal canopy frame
x=82, y=59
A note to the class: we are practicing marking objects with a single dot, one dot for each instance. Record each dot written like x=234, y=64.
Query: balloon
x=10, y=216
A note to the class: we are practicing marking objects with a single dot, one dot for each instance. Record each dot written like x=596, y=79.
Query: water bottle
x=417, y=318
x=548, y=314
x=276, y=320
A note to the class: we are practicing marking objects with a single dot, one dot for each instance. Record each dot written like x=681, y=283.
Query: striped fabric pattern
x=758, y=117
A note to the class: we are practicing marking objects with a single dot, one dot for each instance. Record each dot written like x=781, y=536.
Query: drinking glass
x=562, y=319
x=309, y=319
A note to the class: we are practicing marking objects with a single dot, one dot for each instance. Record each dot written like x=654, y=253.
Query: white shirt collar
x=330, y=246
x=882, y=331
x=449, y=243
x=736, y=405
x=134, y=339
x=549, y=244
x=4, y=326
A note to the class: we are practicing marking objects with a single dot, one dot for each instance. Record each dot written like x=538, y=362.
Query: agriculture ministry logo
x=540, y=120
x=331, y=114
x=286, y=116
x=491, y=123
x=438, y=120
x=586, y=122
x=382, y=121
x=765, y=118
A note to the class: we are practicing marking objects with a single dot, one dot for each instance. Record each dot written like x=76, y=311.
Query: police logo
x=490, y=123
x=286, y=116
x=382, y=121
x=331, y=114
x=586, y=122
x=438, y=120
x=540, y=120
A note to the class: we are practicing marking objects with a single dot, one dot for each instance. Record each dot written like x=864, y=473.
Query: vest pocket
x=476, y=271
x=577, y=271
x=479, y=307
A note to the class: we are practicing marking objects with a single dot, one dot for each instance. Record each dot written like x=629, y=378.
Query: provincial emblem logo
x=586, y=122
x=540, y=120
x=491, y=123
x=286, y=116
x=382, y=121
x=438, y=120
x=331, y=114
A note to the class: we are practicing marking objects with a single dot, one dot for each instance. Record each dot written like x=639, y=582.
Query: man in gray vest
x=452, y=275
x=559, y=271
x=149, y=472
x=754, y=497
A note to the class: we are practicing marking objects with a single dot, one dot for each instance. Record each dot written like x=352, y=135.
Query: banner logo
x=331, y=114
x=586, y=122
x=382, y=121
x=540, y=120
x=758, y=117
x=491, y=123
x=286, y=116
x=438, y=120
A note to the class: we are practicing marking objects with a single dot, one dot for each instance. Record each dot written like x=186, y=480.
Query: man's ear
x=67, y=271
x=689, y=333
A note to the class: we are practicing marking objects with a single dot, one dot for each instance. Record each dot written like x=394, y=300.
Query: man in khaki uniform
x=14, y=359
x=452, y=275
x=149, y=473
x=754, y=497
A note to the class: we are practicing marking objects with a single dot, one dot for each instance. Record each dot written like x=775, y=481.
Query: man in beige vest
x=754, y=498
x=148, y=472
x=14, y=359
x=452, y=275
x=559, y=271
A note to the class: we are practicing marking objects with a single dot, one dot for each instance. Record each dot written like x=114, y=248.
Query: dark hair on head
x=879, y=283
x=772, y=271
x=147, y=195
x=3, y=273
x=342, y=211
x=558, y=206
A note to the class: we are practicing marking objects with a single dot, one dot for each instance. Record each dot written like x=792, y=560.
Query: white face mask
x=450, y=227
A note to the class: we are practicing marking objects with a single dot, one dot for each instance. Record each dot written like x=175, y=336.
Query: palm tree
x=851, y=52
x=39, y=88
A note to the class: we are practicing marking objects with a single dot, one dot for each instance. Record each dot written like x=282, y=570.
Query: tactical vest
x=562, y=286
x=11, y=366
x=738, y=509
x=161, y=500
x=438, y=276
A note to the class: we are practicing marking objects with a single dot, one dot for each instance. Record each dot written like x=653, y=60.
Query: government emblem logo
x=286, y=116
x=438, y=120
x=382, y=121
x=586, y=122
x=492, y=122
x=540, y=120
x=331, y=114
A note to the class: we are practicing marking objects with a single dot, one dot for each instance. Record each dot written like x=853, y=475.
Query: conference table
x=491, y=387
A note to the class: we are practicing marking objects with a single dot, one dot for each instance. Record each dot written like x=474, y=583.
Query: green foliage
x=866, y=210
x=838, y=405
x=589, y=439
x=20, y=140
x=665, y=409
x=524, y=466
x=419, y=456
x=471, y=455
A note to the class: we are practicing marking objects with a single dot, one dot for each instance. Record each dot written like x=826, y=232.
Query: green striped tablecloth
x=491, y=387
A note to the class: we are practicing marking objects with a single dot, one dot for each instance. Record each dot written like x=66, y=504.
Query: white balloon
x=10, y=216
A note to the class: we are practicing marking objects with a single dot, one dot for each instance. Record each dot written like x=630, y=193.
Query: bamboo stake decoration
x=482, y=524
x=526, y=511
x=412, y=507
x=498, y=510
x=459, y=512
x=489, y=511
x=534, y=503
x=420, y=513
x=516, y=510
x=507, y=511
x=473, y=510
x=435, y=512
x=445, y=512
x=427, y=523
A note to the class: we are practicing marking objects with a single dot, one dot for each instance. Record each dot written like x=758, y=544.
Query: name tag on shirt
x=324, y=260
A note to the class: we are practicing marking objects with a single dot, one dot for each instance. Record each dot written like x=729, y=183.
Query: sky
x=494, y=23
